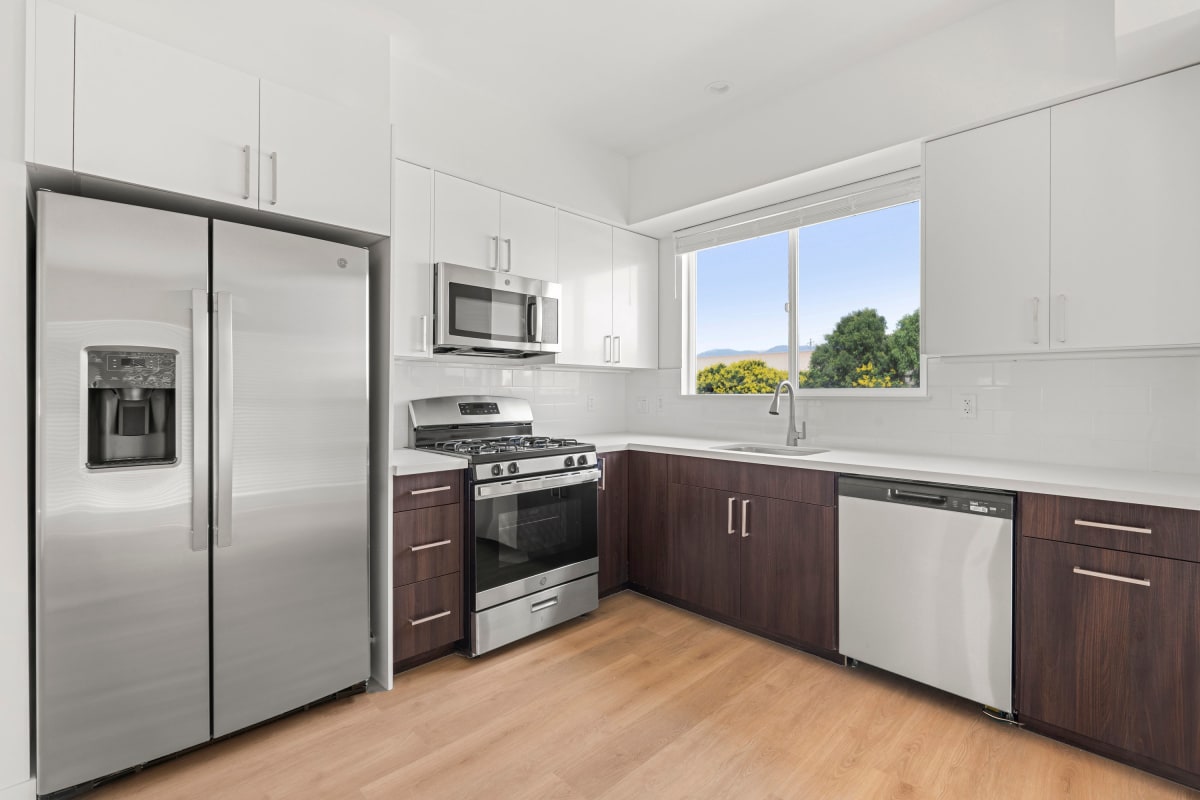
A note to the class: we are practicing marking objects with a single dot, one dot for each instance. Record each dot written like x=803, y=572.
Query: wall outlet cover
x=641, y=405
x=966, y=406
x=591, y=402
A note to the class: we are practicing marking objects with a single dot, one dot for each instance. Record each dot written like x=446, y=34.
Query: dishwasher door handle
x=917, y=497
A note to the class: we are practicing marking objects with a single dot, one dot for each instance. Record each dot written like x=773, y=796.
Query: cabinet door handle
x=431, y=491
x=495, y=253
x=424, y=333
x=430, y=618
x=1083, y=523
x=1110, y=577
x=508, y=249
x=731, y=528
x=416, y=548
x=617, y=349
x=1037, y=334
x=608, y=349
x=745, y=518
x=246, y=175
x=1062, y=317
x=603, y=473
x=274, y=178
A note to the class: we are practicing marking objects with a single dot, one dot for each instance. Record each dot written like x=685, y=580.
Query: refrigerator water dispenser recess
x=132, y=410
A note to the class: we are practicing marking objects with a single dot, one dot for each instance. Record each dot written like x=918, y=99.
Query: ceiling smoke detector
x=719, y=87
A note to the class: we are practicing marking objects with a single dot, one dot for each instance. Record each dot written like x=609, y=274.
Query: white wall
x=14, y=529
x=1010, y=56
x=559, y=396
x=453, y=128
x=1140, y=413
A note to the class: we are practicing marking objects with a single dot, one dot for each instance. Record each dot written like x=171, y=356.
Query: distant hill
x=725, y=351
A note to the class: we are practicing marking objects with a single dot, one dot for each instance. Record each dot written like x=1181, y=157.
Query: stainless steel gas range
x=531, y=515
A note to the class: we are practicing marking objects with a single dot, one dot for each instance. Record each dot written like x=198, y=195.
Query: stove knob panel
x=570, y=462
x=497, y=470
x=581, y=461
x=513, y=469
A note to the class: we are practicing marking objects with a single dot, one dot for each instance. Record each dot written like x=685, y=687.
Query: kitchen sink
x=772, y=449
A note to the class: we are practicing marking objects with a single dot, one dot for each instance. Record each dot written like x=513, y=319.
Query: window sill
x=914, y=393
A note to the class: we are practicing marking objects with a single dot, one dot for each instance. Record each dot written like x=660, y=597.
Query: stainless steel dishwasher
x=925, y=584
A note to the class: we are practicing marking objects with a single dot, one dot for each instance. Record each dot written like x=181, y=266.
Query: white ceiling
x=631, y=75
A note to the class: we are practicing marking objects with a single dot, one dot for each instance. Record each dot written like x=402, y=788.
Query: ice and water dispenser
x=132, y=410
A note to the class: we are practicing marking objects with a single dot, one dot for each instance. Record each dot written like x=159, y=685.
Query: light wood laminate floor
x=641, y=700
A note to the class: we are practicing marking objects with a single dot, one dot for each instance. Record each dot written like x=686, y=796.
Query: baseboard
x=423, y=658
x=26, y=790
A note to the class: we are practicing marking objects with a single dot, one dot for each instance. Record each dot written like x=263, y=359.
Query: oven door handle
x=525, y=485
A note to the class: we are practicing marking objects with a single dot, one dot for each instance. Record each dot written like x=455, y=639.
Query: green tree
x=749, y=376
x=904, y=350
x=859, y=338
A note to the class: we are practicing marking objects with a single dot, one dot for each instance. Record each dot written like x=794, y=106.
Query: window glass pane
x=860, y=297
x=741, y=324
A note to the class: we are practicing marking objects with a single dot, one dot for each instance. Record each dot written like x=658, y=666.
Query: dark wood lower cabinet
x=613, y=521
x=703, y=548
x=1109, y=647
x=426, y=615
x=649, y=559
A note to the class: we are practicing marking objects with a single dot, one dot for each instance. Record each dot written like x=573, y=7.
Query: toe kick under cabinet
x=427, y=564
x=1109, y=629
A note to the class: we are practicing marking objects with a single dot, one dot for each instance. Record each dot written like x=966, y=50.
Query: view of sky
x=870, y=260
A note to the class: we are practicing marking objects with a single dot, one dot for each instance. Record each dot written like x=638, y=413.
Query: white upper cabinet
x=1125, y=252
x=475, y=226
x=528, y=238
x=466, y=223
x=50, y=87
x=152, y=115
x=635, y=300
x=986, y=210
x=322, y=161
x=412, y=257
x=585, y=258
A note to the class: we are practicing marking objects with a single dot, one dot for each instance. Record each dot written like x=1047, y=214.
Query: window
x=825, y=291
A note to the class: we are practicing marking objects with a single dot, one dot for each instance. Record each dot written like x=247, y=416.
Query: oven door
x=532, y=534
x=477, y=308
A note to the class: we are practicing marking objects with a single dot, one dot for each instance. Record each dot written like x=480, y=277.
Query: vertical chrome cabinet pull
x=603, y=473
x=430, y=618
x=607, y=349
x=246, y=176
x=1110, y=577
x=617, y=349
x=424, y=333
x=274, y=178
x=745, y=518
x=223, y=416
x=1037, y=336
x=731, y=528
x=508, y=248
x=199, y=419
x=1085, y=523
x=495, y=253
x=1062, y=317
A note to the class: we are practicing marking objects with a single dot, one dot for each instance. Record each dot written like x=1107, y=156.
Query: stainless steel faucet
x=793, y=436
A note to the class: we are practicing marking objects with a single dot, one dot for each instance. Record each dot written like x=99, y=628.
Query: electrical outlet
x=591, y=402
x=641, y=405
x=660, y=405
x=965, y=404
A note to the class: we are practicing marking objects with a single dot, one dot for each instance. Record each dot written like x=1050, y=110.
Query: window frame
x=686, y=264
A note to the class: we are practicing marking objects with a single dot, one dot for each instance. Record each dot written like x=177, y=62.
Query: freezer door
x=290, y=561
x=120, y=554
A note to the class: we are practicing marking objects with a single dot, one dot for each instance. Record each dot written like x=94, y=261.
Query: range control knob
x=581, y=461
x=513, y=469
x=497, y=470
x=570, y=462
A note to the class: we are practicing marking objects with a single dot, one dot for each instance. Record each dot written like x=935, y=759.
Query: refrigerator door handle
x=200, y=445
x=223, y=419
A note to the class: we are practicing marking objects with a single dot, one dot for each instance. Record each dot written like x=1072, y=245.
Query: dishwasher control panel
x=984, y=507
x=936, y=497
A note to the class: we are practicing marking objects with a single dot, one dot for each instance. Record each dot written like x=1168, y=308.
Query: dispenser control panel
x=117, y=369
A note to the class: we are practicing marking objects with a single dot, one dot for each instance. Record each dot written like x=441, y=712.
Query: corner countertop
x=1175, y=490
x=410, y=461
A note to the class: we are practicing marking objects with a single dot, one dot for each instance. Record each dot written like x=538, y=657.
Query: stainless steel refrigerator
x=201, y=530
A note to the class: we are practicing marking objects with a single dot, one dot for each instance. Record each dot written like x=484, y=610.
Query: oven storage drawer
x=427, y=489
x=426, y=543
x=1130, y=528
x=426, y=615
x=508, y=622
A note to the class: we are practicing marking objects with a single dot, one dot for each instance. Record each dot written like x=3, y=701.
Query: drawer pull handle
x=431, y=491
x=1083, y=523
x=1106, y=576
x=541, y=604
x=416, y=548
x=430, y=618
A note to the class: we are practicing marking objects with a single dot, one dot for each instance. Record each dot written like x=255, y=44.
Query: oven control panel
x=478, y=409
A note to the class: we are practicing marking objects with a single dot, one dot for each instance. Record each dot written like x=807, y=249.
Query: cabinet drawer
x=427, y=489
x=426, y=543
x=426, y=615
x=1168, y=532
x=784, y=483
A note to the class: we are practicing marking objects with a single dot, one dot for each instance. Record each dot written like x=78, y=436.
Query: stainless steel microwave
x=487, y=313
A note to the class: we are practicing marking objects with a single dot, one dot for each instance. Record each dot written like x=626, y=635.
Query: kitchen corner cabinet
x=412, y=257
x=148, y=114
x=649, y=557
x=609, y=283
x=1125, y=246
x=1108, y=638
x=613, y=520
x=987, y=239
x=476, y=226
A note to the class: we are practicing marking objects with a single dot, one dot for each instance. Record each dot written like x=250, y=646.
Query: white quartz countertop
x=409, y=461
x=1176, y=490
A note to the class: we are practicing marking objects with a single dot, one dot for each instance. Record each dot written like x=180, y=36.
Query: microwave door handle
x=538, y=314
